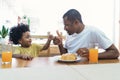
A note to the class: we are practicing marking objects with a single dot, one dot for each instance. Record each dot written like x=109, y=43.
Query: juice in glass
x=6, y=57
x=93, y=55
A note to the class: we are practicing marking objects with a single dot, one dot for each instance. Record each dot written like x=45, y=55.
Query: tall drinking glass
x=6, y=53
x=93, y=53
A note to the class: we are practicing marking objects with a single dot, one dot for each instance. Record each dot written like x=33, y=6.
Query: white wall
x=46, y=15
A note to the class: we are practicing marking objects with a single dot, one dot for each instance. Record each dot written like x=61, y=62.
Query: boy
x=21, y=35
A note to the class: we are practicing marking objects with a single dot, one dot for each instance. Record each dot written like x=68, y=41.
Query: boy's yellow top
x=33, y=50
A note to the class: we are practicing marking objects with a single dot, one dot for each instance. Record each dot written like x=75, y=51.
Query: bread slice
x=69, y=56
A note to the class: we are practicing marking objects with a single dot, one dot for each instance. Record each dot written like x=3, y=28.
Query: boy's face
x=25, y=41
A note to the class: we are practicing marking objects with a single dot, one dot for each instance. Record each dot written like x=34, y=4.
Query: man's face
x=69, y=27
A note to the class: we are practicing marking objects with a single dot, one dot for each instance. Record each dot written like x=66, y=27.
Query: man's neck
x=81, y=27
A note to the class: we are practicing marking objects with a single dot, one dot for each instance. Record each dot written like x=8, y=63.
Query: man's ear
x=76, y=22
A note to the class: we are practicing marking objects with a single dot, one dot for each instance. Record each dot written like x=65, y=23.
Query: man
x=80, y=36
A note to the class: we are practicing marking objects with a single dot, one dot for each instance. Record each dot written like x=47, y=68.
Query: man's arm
x=110, y=53
x=58, y=41
x=62, y=49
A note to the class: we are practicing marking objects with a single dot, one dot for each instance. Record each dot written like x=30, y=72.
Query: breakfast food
x=68, y=56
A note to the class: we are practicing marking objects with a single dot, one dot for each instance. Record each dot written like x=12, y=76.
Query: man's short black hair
x=72, y=15
x=16, y=32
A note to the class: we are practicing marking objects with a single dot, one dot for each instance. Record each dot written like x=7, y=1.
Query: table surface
x=48, y=68
x=50, y=61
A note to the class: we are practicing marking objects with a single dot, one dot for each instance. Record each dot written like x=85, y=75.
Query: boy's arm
x=46, y=46
x=25, y=57
x=16, y=55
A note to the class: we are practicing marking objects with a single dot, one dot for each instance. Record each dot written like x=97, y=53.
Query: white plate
x=60, y=60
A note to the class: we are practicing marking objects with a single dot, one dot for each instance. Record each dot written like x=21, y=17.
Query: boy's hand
x=26, y=57
x=50, y=37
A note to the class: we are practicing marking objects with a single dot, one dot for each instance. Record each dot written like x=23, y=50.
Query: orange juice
x=6, y=56
x=93, y=55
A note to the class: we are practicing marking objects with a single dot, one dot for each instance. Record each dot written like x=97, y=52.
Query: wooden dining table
x=49, y=68
x=50, y=61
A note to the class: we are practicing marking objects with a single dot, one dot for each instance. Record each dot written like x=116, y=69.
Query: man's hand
x=57, y=39
x=83, y=52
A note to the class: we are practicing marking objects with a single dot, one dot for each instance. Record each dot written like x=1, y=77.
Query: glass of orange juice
x=6, y=53
x=93, y=53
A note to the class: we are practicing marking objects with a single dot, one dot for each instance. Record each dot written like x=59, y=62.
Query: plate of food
x=69, y=57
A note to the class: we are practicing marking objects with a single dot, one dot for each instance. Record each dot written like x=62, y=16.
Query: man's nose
x=30, y=39
x=65, y=28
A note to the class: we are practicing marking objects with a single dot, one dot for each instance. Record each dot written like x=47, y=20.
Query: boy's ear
x=20, y=41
